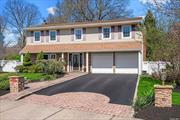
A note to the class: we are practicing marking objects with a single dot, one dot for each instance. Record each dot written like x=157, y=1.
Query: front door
x=76, y=61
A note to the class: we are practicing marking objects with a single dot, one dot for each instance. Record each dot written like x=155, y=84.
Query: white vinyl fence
x=9, y=65
x=150, y=67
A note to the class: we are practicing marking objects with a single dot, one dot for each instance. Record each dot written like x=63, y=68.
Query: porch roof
x=83, y=47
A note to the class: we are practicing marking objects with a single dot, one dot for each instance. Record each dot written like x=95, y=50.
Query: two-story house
x=109, y=46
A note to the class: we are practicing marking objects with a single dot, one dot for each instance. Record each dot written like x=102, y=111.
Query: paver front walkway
x=19, y=110
x=36, y=86
x=83, y=101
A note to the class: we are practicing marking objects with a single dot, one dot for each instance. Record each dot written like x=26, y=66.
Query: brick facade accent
x=163, y=95
x=16, y=84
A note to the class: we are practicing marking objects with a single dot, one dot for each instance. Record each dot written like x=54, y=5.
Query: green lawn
x=146, y=86
x=4, y=78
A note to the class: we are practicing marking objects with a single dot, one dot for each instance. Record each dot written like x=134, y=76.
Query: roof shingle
x=84, y=47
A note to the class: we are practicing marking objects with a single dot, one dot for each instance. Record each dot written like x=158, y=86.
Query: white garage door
x=126, y=62
x=102, y=62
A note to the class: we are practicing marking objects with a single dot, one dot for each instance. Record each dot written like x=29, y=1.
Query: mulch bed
x=154, y=113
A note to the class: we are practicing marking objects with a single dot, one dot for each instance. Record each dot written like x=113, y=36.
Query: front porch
x=75, y=62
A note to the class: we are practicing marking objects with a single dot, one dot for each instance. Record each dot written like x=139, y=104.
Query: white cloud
x=51, y=10
x=153, y=1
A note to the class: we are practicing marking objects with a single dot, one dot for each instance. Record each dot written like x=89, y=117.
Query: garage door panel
x=102, y=63
x=126, y=63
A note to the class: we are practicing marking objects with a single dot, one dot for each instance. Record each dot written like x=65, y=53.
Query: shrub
x=40, y=56
x=27, y=60
x=13, y=57
x=50, y=66
x=48, y=77
x=41, y=65
x=144, y=101
x=21, y=68
x=54, y=67
x=32, y=69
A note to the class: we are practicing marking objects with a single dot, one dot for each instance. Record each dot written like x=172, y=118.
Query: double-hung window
x=52, y=35
x=126, y=30
x=37, y=36
x=78, y=34
x=106, y=33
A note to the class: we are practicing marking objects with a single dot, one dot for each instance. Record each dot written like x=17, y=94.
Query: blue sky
x=137, y=6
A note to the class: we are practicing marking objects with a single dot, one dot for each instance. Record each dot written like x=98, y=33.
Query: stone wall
x=163, y=95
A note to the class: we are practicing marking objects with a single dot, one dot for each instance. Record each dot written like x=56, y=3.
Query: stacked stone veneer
x=163, y=95
x=16, y=84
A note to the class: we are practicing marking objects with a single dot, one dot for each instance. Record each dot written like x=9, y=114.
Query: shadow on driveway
x=118, y=87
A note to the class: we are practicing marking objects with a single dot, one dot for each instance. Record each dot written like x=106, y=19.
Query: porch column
x=82, y=57
x=139, y=63
x=62, y=57
x=67, y=62
x=22, y=58
x=87, y=62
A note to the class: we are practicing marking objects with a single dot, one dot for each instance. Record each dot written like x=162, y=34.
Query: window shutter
x=47, y=35
x=112, y=32
x=72, y=34
x=42, y=36
x=100, y=33
x=58, y=36
x=133, y=31
x=84, y=33
x=32, y=35
x=120, y=32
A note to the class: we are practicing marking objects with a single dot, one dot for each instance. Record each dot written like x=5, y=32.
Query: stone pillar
x=87, y=62
x=16, y=84
x=163, y=95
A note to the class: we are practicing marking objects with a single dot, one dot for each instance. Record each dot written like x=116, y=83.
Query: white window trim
x=75, y=34
x=39, y=36
x=130, y=36
x=103, y=34
x=49, y=55
x=50, y=36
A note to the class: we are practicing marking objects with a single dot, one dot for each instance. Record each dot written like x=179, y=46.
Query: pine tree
x=27, y=60
x=40, y=56
x=150, y=21
x=151, y=33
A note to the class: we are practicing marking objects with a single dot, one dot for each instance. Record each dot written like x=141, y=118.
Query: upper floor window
x=52, y=35
x=37, y=35
x=126, y=30
x=78, y=34
x=106, y=33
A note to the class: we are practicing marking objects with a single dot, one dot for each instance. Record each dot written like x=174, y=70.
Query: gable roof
x=86, y=24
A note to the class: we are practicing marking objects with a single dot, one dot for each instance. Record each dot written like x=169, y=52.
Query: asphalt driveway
x=119, y=88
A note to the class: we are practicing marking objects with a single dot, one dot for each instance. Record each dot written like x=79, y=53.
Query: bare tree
x=3, y=24
x=20, y=15
x=170, y=7
x=89, y=10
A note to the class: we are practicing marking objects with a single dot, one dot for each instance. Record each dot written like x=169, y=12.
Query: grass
x=176, y=98
x=32, y=77
x=146, y=86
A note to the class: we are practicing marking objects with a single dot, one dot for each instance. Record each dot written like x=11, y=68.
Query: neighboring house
x=109, y=46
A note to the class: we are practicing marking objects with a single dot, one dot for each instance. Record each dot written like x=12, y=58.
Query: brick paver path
x=83, y=101
x=36, y=86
